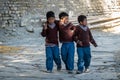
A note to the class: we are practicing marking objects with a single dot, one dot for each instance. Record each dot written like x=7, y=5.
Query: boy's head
x=64, y=17
x=50, y=17
x=82, y=19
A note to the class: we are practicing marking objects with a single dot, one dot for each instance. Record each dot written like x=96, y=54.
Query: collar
x=52, y=25
x=83, y=27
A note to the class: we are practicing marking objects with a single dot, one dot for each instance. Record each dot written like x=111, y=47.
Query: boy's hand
x=61, y=22
x=95, y=45
x=72, y=31
x=80, y=43
x=45, y=26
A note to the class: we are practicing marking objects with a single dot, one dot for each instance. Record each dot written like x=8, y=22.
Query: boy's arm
x=75, y=37
x=43, y=33
x=92, y=39
x=72, y=27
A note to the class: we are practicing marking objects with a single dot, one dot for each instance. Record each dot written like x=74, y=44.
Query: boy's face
x=84, y=22
x=51, y=20
x=65, y=20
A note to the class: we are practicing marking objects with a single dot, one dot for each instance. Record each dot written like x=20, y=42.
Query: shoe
x=79, y=72
x=70, y=72
x=49, y=71
x=58, y=68
x=87, y=70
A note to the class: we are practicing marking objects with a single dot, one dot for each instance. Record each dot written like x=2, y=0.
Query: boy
x=83, y=37
x=66, y=32
x=50, y=31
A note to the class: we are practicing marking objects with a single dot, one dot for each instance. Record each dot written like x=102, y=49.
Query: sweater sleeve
x=75, y=36
x=43, y=33
x=92, y=39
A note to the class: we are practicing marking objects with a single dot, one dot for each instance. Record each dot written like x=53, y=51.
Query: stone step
x=104, y=24
x=101, y=21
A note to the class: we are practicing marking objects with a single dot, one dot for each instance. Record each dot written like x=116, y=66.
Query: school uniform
x=83, y=35
x=66, y=33
x=52, y=49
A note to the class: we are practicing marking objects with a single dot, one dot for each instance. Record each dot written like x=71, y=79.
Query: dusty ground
x=25, y=60
x=117, y=59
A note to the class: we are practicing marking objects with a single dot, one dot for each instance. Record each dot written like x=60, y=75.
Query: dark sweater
x=84, y=36
x=66, y=32
x=51, y=35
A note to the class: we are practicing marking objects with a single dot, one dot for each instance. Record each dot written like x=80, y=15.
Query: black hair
x=63, y=14
x=81, y=18
x=50, y=14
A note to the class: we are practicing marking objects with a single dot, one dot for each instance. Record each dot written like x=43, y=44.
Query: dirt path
x=28, y=63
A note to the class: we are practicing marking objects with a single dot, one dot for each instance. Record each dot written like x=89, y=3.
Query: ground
x=27, y=62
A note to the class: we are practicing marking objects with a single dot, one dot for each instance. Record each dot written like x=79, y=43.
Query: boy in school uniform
x=83, y=38
x=50, y=31
x=66, y=32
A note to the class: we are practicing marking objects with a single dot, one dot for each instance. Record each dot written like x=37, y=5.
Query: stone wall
x=20, y=20
x=23, y=12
